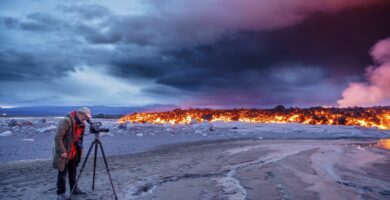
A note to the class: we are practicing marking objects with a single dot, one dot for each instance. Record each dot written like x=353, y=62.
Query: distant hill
x=96, y=110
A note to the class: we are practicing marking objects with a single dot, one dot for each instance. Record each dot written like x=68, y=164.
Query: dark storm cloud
x=24, y=65
x=141, y=68
x=9, y=22
x=87, y=11
x=336, y=43
x=188, y=79
x=245, y=52
x=129, y=30
x=96, y=36
x=33, y=22
x=324, y=51
x=170, y=23
x=53, y=50
x=79, y=25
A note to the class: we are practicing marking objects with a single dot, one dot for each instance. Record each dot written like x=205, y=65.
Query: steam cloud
x=376, y=90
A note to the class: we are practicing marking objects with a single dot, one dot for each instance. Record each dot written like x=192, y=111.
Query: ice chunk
x=124, y=125
x=198, y=131
x=46, y=129
x=168, y=129
x=6, y=133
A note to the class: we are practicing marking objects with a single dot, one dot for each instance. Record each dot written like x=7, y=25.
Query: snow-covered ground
x=32, y=138
x=287, y=161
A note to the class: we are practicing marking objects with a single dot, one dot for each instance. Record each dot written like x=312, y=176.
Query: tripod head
x=95, y=128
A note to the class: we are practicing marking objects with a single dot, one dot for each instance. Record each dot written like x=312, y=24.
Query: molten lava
x=378, y=117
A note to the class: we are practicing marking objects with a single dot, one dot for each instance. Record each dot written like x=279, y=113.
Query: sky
x=195, y=53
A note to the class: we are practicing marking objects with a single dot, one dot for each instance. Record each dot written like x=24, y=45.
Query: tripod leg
x=108, y=170
x=82, y=168
x=94, y=168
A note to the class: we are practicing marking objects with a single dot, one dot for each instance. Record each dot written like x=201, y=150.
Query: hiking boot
x=61, y=197
x=78, y=191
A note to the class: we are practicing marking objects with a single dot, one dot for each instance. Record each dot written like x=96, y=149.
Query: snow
x=134, y=137
x=242, y=149
x=212, y=129
x=295, y=130
x=6, y=133
x=256, y=130
x=46, y=129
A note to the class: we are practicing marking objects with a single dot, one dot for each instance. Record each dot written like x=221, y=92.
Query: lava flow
x=378, y=117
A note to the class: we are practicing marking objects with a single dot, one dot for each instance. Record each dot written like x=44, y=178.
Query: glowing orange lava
x=378, y=117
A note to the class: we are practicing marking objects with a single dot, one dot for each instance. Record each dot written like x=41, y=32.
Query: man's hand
x=64, y=155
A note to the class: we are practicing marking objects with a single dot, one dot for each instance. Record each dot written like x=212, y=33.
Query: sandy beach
x=226, y=169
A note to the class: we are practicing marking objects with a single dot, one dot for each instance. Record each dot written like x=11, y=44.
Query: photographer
x=68, y=148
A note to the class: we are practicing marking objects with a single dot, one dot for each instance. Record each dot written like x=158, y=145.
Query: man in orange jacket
x=68, y=148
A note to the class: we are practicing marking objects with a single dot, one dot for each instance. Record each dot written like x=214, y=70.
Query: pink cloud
x=376, y=90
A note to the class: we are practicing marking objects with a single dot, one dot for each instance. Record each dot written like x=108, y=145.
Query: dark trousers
x=70, y=168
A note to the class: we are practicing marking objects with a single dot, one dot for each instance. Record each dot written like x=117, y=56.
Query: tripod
x=95, y=144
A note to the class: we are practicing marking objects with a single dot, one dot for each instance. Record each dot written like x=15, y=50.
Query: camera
x=95, y=127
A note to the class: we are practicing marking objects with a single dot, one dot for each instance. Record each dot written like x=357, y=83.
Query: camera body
x=95, y=127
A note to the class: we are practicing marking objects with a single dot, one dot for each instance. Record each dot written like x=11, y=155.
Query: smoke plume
x=376, y=89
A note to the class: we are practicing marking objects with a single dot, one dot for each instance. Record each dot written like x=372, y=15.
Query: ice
x=28, y=139
x=215, y=129
x=168, y=129
x=360, y=148
x=6, y=133
x=242, y=149
x=130, y=137
x=46, y=129
x=294, y=130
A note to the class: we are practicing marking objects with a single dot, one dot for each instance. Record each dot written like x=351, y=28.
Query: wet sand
x=232, y=169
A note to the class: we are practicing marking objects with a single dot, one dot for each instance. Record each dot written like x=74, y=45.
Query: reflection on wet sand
x=383, y=143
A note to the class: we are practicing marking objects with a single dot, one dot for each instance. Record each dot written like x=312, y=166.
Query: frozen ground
x=32, y=138
x=221, y=170
x=206, y=161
